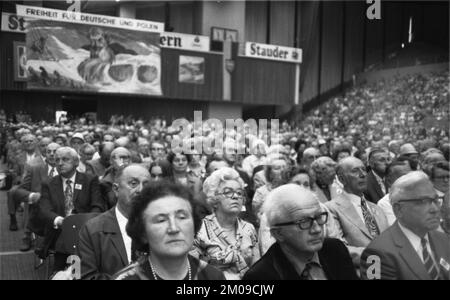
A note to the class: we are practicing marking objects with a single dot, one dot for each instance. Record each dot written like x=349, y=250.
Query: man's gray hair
x=405, y=187
x=280, y=201
x=73, y=153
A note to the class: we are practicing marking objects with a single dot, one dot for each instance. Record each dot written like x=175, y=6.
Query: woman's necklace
x=155, y=276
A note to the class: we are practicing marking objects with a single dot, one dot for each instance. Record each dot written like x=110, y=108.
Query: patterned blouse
x=232, y=257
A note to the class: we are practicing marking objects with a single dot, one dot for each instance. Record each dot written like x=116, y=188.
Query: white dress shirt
x=356, y=202
x=415, y=241
x=81, y=167
x=30, y=157
x=122, y=220
x=386, y=207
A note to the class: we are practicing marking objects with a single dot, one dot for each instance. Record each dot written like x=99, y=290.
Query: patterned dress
x=233, y=257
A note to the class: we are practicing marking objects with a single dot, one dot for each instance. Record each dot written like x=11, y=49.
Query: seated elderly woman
x=276, y=173
x=162, y=224
x=224, y=240
x=326, y=186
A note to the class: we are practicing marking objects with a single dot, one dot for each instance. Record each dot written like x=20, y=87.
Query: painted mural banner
x=93, y=53
x=191, y=69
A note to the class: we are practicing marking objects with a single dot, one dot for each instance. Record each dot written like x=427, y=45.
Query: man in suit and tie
x=412, y=248
x=301, y=251
x=36, y=172
x=68, y=193
x=104, y=246
x=358, y=220
x=376, y=189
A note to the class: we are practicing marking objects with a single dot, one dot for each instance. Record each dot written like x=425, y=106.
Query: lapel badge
x=444, y=264
x=78, y=186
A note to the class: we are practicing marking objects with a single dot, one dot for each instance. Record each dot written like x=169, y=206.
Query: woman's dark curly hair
x=171, y=157
x=166, y=169
x=136, y=225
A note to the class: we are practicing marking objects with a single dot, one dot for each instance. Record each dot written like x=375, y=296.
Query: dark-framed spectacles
x=230, y=193
x=425, y=201
x=307, y=223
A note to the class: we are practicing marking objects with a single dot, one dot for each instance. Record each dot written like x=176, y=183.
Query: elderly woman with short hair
x=224, y=240
x=277, y=173
x=162, y=224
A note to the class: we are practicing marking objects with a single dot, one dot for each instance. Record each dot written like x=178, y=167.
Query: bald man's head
x=352, y=174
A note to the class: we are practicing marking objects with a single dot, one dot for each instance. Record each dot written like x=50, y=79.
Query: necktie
x=306, y=275
x=52, y=172
x=134, y=254
x=371, y=224
x=68, y=194
x=428, y=261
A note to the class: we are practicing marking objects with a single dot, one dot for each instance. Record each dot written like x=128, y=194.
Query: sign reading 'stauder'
x=273, y=52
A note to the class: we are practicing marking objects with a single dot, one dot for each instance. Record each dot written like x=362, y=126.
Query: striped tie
x=52, y=172
x=370, y=221
x=68, y=194
x=428, y=261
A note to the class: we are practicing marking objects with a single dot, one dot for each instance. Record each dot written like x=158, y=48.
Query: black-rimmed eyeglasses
x=307, y=223
x=424, y=202
x=230, y=193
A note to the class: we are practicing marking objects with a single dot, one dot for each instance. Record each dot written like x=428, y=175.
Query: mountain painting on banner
x=86, y=57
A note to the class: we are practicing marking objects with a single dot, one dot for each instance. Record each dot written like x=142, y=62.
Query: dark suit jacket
x=334, y=258
x=106, y=189
x=52, y=203
x=373, y=192
x=101, y=247
x=399, y=261
x=95, y=167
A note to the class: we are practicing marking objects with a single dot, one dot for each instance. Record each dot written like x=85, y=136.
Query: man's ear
x=115, y=188
x=277, y=234
x=397, y=210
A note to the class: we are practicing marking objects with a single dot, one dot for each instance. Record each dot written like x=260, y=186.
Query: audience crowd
x=363, y=174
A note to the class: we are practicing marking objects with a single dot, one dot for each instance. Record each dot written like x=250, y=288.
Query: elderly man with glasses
x=412, y=248
x=120, y=157
x=301, y=251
